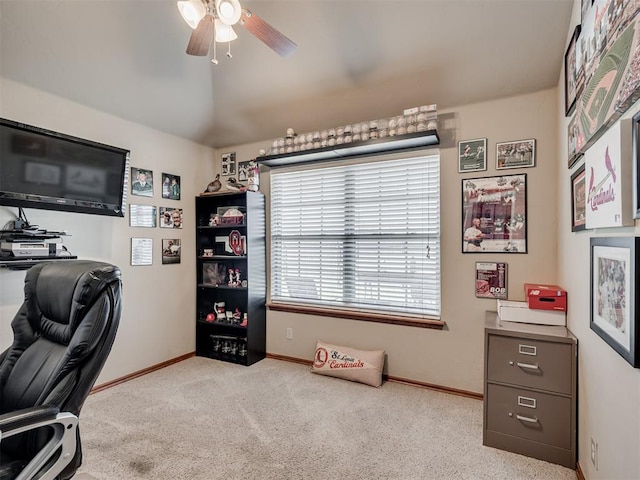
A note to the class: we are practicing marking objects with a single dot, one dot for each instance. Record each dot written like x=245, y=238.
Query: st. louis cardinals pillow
x=364, y=366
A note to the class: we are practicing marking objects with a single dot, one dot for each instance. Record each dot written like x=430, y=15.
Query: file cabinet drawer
x=530, y=363
x=535, y=416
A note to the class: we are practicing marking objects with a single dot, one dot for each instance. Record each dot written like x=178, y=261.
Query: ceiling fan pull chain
x=214, y=60
x=229, y=49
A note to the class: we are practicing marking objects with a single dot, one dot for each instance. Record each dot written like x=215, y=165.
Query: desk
x=25, y=263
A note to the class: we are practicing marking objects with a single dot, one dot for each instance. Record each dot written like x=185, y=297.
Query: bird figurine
x=235, y=186
x=214, y=186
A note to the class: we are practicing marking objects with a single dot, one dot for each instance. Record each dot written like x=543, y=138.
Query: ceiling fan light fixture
x=229, y=11
x=192, y=11
x=224, y=33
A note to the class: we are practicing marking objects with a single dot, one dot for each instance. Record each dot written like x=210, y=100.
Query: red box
x=545, y=297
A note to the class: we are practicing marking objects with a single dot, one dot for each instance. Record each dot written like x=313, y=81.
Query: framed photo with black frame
x=614, y=308
x=571, y=74
x=494, y=214
x=636, y=166
x=516, y=154
x=578, y=200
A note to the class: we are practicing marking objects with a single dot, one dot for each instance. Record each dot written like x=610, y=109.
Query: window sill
x=363, y=316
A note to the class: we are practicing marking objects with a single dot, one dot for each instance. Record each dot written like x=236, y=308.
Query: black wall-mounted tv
x=44, y=169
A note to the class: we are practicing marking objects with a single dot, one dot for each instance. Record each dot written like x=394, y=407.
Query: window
x=362, y=237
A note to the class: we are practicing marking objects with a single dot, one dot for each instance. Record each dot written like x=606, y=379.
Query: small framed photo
x=171, y=250
x=575, y=141
x=578, y=200
x=142, y=182
x=571, y=74
x=170, y=217
x=142, y=216
x=491, y=280
x=170, y=186
x=472, y=155
x=614, y=270
x=517, y=154
x=141, y=251
x=229, y=163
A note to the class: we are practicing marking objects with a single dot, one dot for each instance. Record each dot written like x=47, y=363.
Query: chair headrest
x=57, y=294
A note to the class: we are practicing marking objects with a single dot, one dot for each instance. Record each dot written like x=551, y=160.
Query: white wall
x=452, y=357
x=609, y=388
x=158, y=320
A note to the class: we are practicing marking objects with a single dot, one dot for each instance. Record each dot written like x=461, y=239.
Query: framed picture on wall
x=494, y=214
x=472, y=155
x=614, y=270
x=571, y=74
x=516, y=154
x=170, y=186
x=229, y=163
x=578, y=200
x=575, y=142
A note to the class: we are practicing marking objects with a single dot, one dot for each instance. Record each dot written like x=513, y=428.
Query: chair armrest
x=58, y=452
x=25, y=417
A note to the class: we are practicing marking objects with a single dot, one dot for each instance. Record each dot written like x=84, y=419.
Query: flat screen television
x=44, y=169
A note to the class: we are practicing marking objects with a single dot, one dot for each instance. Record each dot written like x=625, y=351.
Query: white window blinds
x=362, y=236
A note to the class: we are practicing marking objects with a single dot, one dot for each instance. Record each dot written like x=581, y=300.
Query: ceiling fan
x=212, y=22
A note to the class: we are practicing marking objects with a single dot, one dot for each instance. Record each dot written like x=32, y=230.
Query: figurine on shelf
x=245, y=320
x=210, y=318
x=234, y=186
x=232, y=277
x=220, y=314
x=214, y=220
x=214, y=186
x=236, y=316
x=237, y=280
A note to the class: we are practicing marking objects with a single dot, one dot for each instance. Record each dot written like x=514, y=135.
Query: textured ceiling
x=356, y=60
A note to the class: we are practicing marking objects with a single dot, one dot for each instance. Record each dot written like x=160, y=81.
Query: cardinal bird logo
x=607, y=164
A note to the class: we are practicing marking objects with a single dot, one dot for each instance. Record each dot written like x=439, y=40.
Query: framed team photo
x=516, y=154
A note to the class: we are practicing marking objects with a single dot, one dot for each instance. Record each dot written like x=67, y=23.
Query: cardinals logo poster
x=607, y=169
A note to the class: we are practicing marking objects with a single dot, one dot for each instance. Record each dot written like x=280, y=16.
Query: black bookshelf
x=226, y=242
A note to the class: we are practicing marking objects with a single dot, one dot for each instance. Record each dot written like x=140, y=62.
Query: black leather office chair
x=63, y=333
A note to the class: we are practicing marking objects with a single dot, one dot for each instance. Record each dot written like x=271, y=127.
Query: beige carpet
x=202, y=419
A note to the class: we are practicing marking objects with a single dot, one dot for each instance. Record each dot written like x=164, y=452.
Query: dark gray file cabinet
x=530, y=394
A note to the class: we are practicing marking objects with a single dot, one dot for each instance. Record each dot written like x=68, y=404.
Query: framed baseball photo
x=516, y=154
x=472, y=155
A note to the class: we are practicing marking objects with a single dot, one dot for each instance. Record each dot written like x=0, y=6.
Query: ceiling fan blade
x=267, y=34
x=201, y=37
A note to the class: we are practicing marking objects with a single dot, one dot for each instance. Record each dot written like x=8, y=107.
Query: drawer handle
x=528, y=366
x=527, y=419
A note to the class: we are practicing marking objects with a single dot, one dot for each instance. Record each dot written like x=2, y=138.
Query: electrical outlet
x=289, y=333
x=594, y=453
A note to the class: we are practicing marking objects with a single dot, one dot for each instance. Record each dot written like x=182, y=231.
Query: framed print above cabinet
x=494, y=214
x=614, y=280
